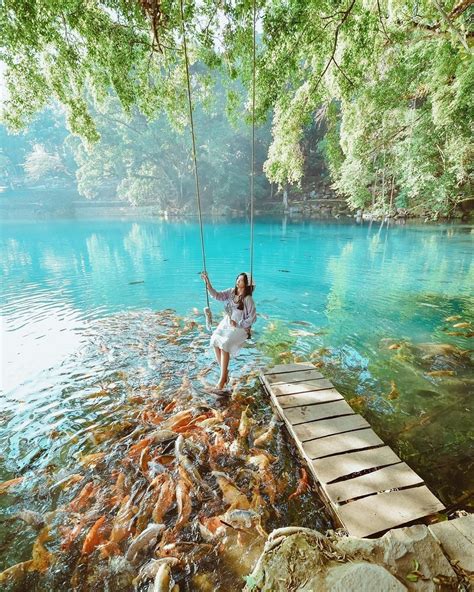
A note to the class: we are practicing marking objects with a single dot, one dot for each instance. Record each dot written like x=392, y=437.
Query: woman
x=234, y=328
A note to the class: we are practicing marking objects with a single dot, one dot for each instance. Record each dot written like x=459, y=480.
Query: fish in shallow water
x=245, y=424
x=94, y=537
x=163, y=581
x=5, y=486
x=243, y=519
x=83, y=497
x=33, y=519
x=165, y=497
x=150, y=569
x=267, y=435
x=188, y=466
x=145, y=539
x=183, y=501
x=232, y=494
x=303, y=485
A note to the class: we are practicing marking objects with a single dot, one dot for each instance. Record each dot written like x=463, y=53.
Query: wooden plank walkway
x=367, y=485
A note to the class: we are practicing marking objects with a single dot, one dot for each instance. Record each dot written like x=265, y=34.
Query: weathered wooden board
x=286, y=388
x=333, y=467
x=294, y=376
x=391, y=477
x=328, y=427
x=284, y=368
x=298, y=415
x=346, y=442
x=377, y=513
x=309, y=398
x=337, y=443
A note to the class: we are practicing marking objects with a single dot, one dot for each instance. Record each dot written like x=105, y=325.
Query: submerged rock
x=304, y=560
x=360, y=576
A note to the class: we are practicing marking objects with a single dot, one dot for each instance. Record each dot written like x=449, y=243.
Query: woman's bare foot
x=222, y=383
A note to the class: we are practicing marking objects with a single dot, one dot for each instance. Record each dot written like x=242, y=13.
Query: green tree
x=398, y=75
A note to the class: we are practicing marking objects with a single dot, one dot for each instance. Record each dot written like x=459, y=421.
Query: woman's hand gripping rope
x=207, y=310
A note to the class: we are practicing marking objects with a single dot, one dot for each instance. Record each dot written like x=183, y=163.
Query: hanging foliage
x=394, y=79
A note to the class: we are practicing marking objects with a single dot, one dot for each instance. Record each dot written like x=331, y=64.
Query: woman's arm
x=250, y=313
x=222, y=296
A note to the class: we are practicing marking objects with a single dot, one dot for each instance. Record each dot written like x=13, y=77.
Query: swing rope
x=252, y=173
x=195, y=166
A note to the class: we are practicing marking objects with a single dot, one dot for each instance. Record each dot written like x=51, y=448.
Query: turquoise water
x=90, y=349
x=338, y=293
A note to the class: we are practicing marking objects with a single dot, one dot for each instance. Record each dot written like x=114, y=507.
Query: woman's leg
x=217, y=353
x=224, y=369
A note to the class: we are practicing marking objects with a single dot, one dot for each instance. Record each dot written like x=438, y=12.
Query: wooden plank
x=328, y=427
x=298, y=415
x=334, y=467
x=394, y=476
x=374, y=514
x=301, y=387
x=293, y=376
x=380, y=509
x=282, y=368
x=342, y=443
x=309, y=398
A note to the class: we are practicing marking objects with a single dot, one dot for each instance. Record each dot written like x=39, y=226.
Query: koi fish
x=94, y=537
x=244, y=519
x=209, y=528
x=33, y=519
x=461, y=325
x=441, y=373
x=83, y=497
x=145, y=539
x=68, y=482
x=163, y=581
x=165, y=499
x=150, y=416
x=122, y=523
x=245, y=424
x=303, y=485
x=394, y=392
x=183, y=501
x=171, y=405
x=188, y=466
x=162, y=436
x=150, y=569
x=109, y=549
x=17, y=571
x=136, y=449
x=232, y=495
x=267, y=435
x=71, y=534
x=5, y=486
x=91, y=460
x=145, y=458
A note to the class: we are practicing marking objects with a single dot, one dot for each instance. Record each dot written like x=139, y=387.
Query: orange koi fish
x=94, y=537
x=303, y=485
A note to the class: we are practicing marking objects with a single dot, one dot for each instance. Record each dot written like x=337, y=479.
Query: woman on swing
x=234, y=328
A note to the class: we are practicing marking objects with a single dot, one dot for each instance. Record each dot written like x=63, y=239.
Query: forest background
x=368, y=99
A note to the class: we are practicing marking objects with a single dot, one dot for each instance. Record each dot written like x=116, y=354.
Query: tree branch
x=459, y=9
x=450, y=25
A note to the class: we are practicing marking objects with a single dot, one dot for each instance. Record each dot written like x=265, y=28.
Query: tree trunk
x=285, y=198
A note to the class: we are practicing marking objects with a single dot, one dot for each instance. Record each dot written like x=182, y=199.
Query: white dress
x=226, y=337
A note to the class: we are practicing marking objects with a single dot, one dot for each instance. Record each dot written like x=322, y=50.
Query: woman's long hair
x=247, y=292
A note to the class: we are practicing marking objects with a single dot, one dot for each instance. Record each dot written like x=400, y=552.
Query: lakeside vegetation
x=380, y=89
